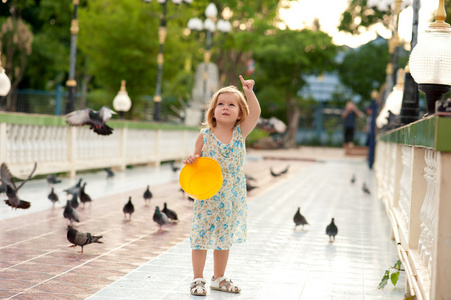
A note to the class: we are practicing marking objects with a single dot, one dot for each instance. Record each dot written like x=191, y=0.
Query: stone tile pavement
x=137, y=261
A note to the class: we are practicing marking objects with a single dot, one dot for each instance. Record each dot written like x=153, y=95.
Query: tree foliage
x=282, y=58
x=363, y=69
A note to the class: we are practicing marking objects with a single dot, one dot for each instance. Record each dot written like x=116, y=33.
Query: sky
x=303, y=12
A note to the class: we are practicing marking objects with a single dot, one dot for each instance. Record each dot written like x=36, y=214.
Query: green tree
x=363, y=69
x=282, y=57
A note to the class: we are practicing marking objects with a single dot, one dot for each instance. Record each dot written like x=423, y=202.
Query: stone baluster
x=405, y=186
x=426, y=214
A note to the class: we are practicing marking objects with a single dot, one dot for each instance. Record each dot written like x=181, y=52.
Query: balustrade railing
x=57, y=147
x=412, y=167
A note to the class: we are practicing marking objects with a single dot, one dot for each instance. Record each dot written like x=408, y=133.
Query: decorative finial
x=440, y=17
x=123, y=86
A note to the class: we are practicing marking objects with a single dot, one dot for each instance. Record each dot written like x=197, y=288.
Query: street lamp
x=224, y=26
x=5, y=83
x=160, y=59
x=122, y=102
x=430, y=61
x=71, y=83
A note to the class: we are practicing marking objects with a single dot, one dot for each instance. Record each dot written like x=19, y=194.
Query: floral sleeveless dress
x=220, y=221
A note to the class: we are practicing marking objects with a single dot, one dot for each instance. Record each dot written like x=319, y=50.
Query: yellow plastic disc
x=202, y=179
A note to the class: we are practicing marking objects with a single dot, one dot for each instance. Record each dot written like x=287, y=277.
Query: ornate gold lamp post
x=209, y=25
x=160, y=59
x=71, y=82
x=430, y=61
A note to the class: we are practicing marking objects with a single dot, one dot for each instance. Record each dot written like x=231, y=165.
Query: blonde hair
x=210, y=120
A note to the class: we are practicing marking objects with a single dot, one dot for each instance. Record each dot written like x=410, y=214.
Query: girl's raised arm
x=254, y=107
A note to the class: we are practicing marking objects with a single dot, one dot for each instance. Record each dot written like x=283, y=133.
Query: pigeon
x=274, y=174
x=174, y=167
x=95, y=119
x=129, y=208
x=299, y=219
x=353, y=178
x=365, y=189
x=74, y=189
x=172, y=215
x=109, y=173
x=11, y=190
x=52, y=179
x=250, y=187
x=147, y=195
x=70, y=213
x=74, y=202
x=160, y=217
x=78, y=238
x=83, y=196
x=53, y=197
x=332, y=230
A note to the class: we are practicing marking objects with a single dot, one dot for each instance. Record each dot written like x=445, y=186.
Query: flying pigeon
x=70, y=213
x=74, y=189
x=11, y=190
x=83, y=196
x=365, y=189
x=95, y=119
x=172, y=215
x=147, y=195
x=274, y=174
x=52, y=179
x=52, y=196
x=332, y=230
x=109, y=173
x=78, y=238
x=2, y=188
x=129, y=208
x=160, y=217
x=299, y=219
x=74, y=201
x=353, y=178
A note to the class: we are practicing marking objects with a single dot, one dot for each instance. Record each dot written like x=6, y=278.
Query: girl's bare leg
x=198, y=258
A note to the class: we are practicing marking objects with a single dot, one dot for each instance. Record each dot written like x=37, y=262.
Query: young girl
x=220, y=221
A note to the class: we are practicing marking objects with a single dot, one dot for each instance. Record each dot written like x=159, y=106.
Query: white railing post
x=3, y=142
x=71, y=150
x=441, y=276
x=123, y=148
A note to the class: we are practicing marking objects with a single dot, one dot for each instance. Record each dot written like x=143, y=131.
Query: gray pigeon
x=147, y=195
x=172, y=215
x=11, y=190
x=353, y=178
x=365, y=189
x=78, y=238
x=332, y=230
x=74, y=202
x=53, y=196
x=160, y=217
x=74, y=189
x=274, y=174
x=129, y=208
x=109, y=173
x=83, y=196
x=299, y=219
x=95, y=119
x=52, y=179
x=70, y=213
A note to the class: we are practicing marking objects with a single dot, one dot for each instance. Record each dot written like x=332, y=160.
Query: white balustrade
x=70, y=149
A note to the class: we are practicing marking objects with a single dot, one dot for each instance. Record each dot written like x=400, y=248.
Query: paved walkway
x=137, y=261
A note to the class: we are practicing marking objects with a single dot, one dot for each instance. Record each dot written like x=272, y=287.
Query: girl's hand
x=247, y=84
x=191, y=159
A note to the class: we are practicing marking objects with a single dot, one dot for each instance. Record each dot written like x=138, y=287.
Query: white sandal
x=224, y=284
x=198, y=287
